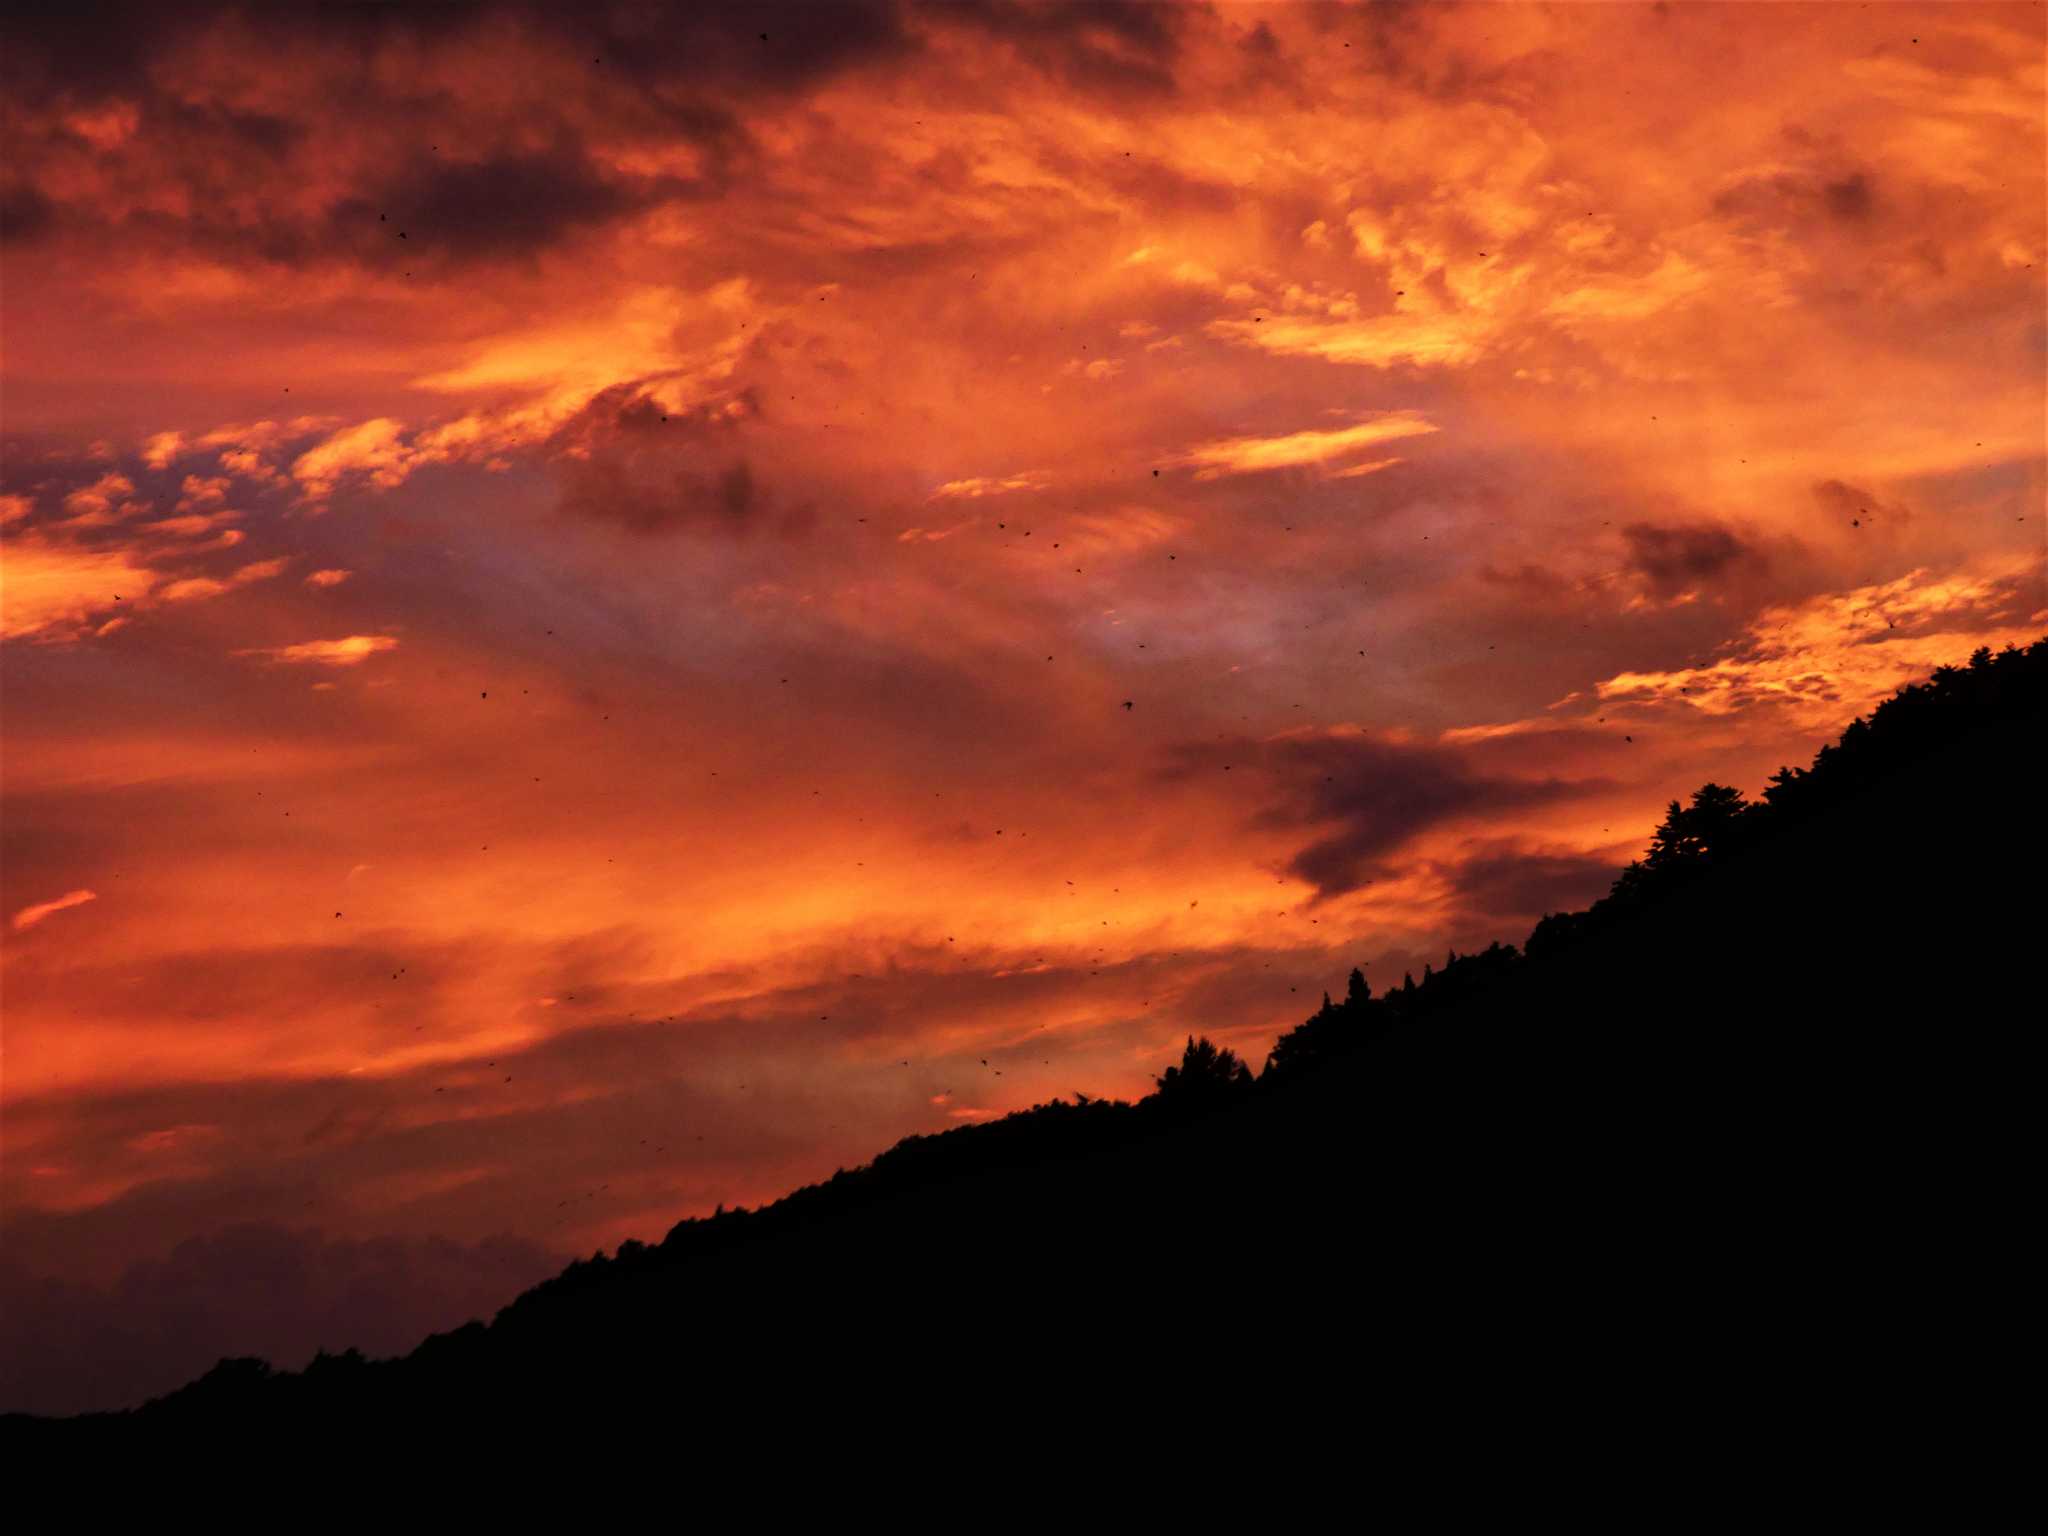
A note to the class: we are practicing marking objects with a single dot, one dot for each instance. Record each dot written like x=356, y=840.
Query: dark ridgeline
x=1722, y=1173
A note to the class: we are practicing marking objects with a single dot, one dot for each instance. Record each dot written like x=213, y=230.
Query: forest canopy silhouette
x=1771, y=1050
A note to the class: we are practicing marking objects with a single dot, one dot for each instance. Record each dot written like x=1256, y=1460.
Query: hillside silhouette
x=1727, y=1165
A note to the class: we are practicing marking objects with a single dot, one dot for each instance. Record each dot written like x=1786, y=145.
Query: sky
x=610, y=608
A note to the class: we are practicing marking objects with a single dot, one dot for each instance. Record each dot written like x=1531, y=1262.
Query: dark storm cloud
x=258, y=133
x=1677, y=557
x=467, y=182
x=1268, y=66
x=1848, y=198
x=25, y=214
x=1533, y=585
x=1409, y=44
x=85, y=50
x=1369, y=795
x=1096, y=46
x=663, y=47
x=505, y=205
x=1823, y=192
x=736, y=490
x=1845, y=502
x=1505, y=881
x=625, y=461
x=91, y=50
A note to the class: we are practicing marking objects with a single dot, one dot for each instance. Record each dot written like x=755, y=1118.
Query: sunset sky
x=602, y=601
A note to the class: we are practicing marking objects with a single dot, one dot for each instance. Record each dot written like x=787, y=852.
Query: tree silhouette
x=1696, y=830
x=1207, y=1074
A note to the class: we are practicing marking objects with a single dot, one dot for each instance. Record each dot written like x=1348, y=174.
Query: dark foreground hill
x=1723, y=1174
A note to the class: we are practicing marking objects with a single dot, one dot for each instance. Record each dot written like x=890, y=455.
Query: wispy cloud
x=980, y=485
x=1250, y=455
x=346, y=652
x=28, y=917
x=375, y=448
x=1839, y=653
x=46, y=587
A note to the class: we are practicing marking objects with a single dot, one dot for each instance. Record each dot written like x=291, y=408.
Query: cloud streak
x=1312, y=446
x=29, y=916
x=349, y=651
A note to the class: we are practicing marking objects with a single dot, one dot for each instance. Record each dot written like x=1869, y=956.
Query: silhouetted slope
x=1729, y=1159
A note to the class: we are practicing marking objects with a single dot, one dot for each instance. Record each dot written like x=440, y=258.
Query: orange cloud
x=45, y=586
x=349, y=651
x=1839, y=654
x=1382, y=342
x=975, y=488
x=374, y=448
x=160, y=450
x=28, y=917
x=190, y=588
x=103, y=501
x=258, y=570
x=1250, y=455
